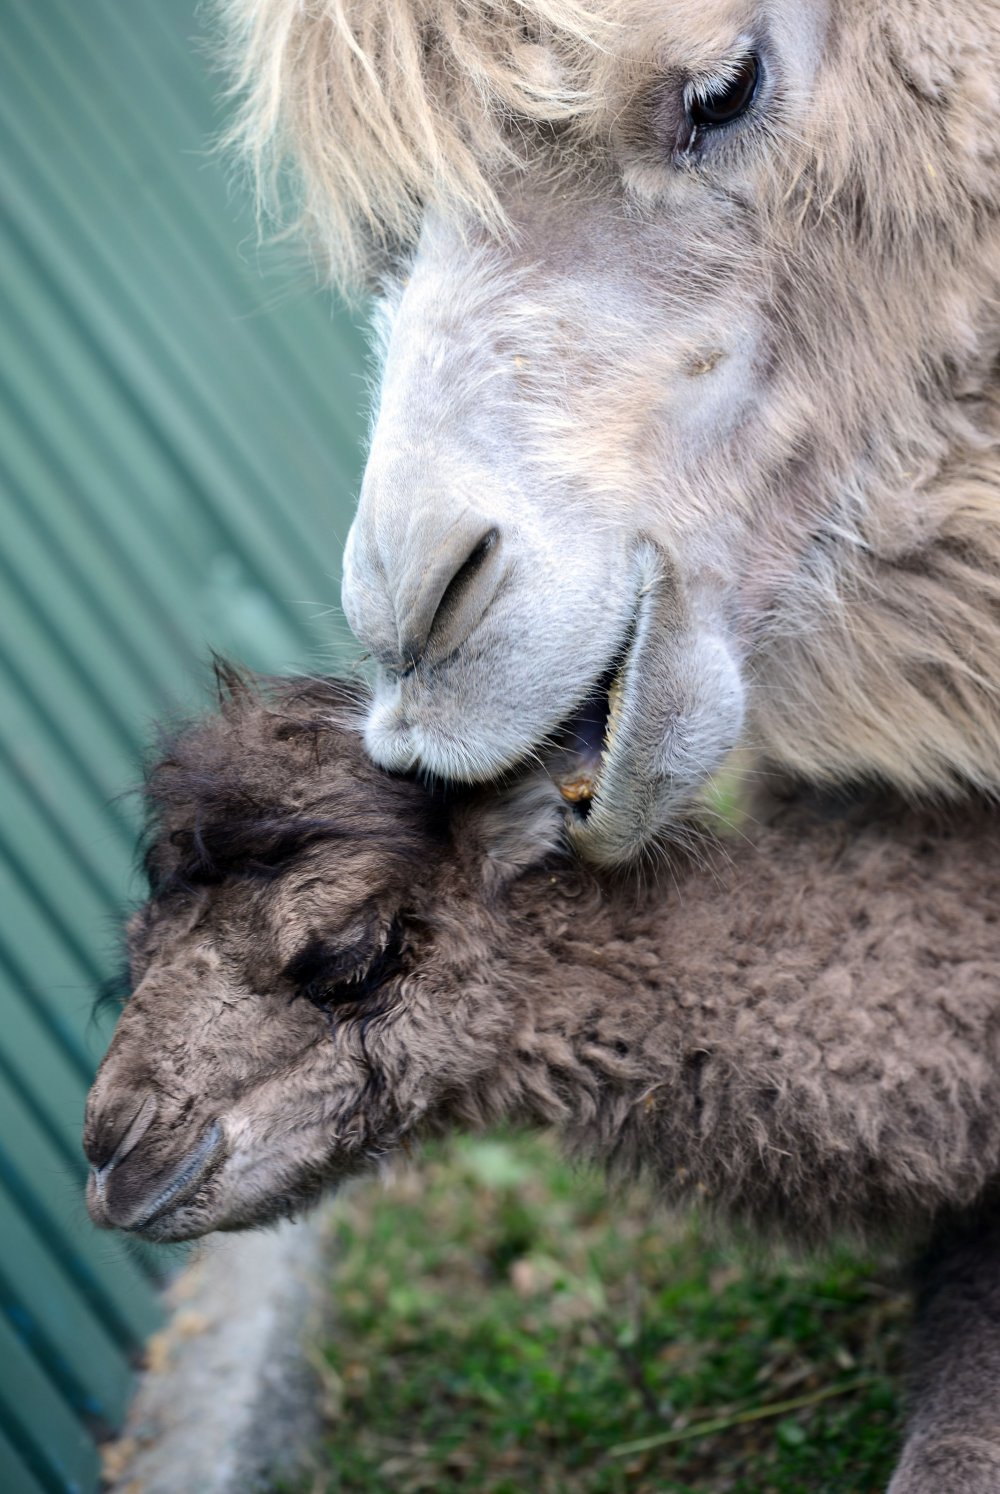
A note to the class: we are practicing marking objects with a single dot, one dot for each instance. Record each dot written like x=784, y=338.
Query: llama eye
x=328, y=977
x=726, y=99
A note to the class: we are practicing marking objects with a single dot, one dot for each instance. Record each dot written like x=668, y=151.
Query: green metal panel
x=47, y=1434
x=179, y=439
x=14, y=1472
x=63, y=1330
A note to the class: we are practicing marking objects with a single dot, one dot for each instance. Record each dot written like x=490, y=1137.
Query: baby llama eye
x=726, y=99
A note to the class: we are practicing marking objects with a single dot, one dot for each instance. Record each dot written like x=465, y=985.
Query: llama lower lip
x=609, y=818
x=185, y=1180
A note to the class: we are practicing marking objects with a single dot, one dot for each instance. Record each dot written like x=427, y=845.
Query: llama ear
x=233, y=686
x=519, y=828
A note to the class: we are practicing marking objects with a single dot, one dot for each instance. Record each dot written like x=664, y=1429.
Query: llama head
x=688, y=307
x=308, y=974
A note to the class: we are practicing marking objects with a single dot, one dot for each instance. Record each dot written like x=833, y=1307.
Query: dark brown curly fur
x=802, y=1033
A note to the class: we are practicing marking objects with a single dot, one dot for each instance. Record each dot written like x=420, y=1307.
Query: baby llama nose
x=111, y=1133
x=425, y=598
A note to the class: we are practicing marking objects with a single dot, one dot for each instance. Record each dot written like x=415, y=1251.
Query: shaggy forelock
x=383, y=109
x=248, y=790
x=368, y=112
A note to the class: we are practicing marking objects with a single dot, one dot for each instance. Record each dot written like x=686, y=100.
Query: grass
x=503, y=1324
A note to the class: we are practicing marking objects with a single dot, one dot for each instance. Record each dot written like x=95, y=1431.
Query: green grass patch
x=505, y=1324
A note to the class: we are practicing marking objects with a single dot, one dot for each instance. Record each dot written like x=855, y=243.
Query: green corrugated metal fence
x=179, y=439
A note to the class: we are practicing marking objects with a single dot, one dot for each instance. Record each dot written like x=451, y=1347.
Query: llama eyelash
x=328, y=977
x=730, y=98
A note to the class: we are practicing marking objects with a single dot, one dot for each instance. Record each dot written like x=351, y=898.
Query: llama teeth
x=616, y=700
x=578, y=790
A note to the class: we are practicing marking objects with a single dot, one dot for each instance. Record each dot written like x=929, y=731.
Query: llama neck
x=615, y=1039
x=741, y=1043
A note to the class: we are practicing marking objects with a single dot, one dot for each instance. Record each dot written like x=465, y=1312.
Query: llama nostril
x=420, y=597
x=463, y=600
x=453, y=597
x=112, y=1136
x=99, y=1178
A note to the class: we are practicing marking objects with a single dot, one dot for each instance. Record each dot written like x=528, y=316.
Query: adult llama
x=687, y=426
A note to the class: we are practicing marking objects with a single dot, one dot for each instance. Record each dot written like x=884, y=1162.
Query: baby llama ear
x=519, y=828
x=234, y=687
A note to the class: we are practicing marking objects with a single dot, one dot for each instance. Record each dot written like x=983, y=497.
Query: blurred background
x=180, y=417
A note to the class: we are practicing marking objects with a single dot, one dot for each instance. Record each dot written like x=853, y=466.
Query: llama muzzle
x=138, y=1185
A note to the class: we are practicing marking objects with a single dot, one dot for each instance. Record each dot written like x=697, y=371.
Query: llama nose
x=417, y=593
x=112, y=1132
x=138, y=1186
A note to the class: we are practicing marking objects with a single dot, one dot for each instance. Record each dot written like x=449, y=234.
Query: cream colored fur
x=387, y=108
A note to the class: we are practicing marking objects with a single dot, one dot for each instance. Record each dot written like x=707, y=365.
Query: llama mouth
x=188, y=1178
x=588, y=740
